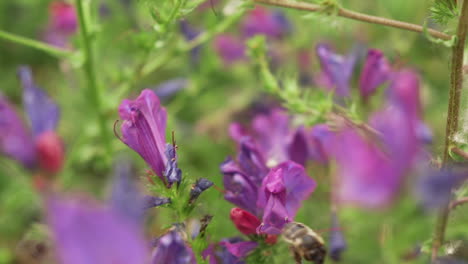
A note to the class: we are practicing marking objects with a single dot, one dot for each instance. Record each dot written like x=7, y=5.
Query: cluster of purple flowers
x=39, y=147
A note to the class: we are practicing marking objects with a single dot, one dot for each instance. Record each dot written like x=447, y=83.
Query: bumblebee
x=304, y=243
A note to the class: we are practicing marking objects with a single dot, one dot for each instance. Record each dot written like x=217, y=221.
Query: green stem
x=90, y=71
x=54, y=51
x=456, y=83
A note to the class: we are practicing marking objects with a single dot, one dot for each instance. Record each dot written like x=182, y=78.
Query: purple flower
x=229, y=48
x=320, y=141
x=337, y=69
x=191, y=33
x=275, y=138
x=171, y=249
x=367, y=177
x=63, y=23
x=375, y=72
x=169, y=88
x=200, y=186
x=403, y=92
x=262, y=21
x=219, y=254
x=239, y=249
x=43, y=113
x=241, y=189
x=143, y=130
x=15, y=139
x=86, y=232
x=281, y=195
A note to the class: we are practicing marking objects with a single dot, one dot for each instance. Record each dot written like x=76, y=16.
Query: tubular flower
x=171, y=249
x=44, y=147
x=277, y=141
x=239, y=249
x=282, y=192
x=219, y=254
x=337, y=69
x=86, y=232
x=229, y=48
x=63, y=23
x=15, y=140
x=261, y=21
x=375, y=72
x=143, y=130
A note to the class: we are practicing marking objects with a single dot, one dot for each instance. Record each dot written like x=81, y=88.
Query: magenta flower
x=239, y=249
x=144, y=129
x=63, y=23
x=275, y=138
x=219, y=253
x=375, y=72
x=15, y=139
x=282, y=192
x=171, y=249
x=367, y=177
x=261, y=21
x=337, y=69
x=86, y=232
x=229, y=48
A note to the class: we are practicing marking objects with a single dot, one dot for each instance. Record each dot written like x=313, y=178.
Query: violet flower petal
x=153, y=201
x=15, y=140
x=275, y=216
x=171, y=249
x=240, y=249
x=375, y=72
x=240, y=190
x=85, y=232
x=200, y=186
x=404, y=93
x=298, y=150
x=191, y=33
x=144, y=128
x=366, y=178
x=172, y=173
x=169, y=88
x=320, y=141
x=262, y=21
x=229, y=48
x=43, y=113
x=337, y=68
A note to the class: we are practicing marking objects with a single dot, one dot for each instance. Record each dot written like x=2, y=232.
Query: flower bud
x=200, y=186
x=50, y=152
x=245, y=222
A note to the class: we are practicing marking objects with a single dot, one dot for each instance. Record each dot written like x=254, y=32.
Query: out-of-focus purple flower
x=375, y=72
x=337, y=240
x=240, y=249
x=229, y=48
x=218, y=253
x=15, y=139
x=282, y=192
x=275, y=138
x=63, y=23
x=403, y=92
x=191, y=33
x=168, y=89
x=43, y=113
x=63, y=17
x=320, y=141
x=367, y=177
x=337, y=69
x=200, y=186
x=433, y=188
x=171, y=249
x=262, y=21
x=144, y=129
x=86, y=232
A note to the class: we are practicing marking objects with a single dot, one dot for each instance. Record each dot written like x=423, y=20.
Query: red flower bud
x=50, y=152
x=245, y=222
x=271, y=239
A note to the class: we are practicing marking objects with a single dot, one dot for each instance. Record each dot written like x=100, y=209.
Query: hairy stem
x=90, y=71
x=458, y=202
x=460, y=152
x=456, y=82
x=39, y=45
x=357, y=16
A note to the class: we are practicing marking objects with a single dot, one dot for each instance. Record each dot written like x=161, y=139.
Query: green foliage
x=443, y=11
